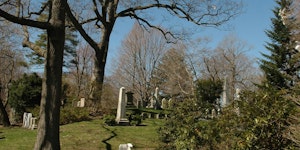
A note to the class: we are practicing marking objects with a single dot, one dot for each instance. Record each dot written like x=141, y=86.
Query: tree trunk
x=48, y=127
x=99, y=67
x=97, y=82
x=4, y=115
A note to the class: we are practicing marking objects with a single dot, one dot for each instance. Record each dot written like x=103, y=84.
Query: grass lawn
x=88, y=135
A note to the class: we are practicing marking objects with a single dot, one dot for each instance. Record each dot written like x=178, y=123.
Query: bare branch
x=80, y=29
x=102, y=19
x=43, y=8
x=23, y=21
x=4, y=3
x=26, y=43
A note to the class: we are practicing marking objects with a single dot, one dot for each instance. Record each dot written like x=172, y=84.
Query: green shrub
x=135, y=119
x=73, y=114
x=35, y=111
x=110, y=120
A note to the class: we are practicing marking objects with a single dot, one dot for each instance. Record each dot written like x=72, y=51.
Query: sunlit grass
x=87, y=135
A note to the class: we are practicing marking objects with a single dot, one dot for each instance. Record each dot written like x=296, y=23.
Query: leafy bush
x=25, y=93
x=135, y=119
x=110, y=120
x=73, y=114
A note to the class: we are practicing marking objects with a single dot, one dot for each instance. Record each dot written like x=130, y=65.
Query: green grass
x=87, y=135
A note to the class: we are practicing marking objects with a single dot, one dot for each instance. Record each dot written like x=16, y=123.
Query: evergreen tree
x=25, y=93
x=69, y=48
x=281, y=65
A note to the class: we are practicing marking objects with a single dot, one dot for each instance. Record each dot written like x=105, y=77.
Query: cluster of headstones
x=167, y=104
x=156, y=103
x=29, y=121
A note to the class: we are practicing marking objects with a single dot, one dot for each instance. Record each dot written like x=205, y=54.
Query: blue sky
x=248, y=26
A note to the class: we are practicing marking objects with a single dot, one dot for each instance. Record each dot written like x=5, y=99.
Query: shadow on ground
x=108, y=146
x=1, y=136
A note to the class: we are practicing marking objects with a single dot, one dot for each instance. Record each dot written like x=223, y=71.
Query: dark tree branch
x=23, y=21
x=80, y=29
x=165, y=33
x=101, y=18
x=43, y=8
x=4, y=3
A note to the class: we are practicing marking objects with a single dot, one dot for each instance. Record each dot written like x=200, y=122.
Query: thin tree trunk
x=48, y=127
x=4, y=115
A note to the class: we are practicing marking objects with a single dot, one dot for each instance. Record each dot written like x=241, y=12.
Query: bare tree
x=106, y=13
x=173, y=74
x=81, y=71
x=229, y=60
x=12, y=66
x=139, y=56
x=48, y=127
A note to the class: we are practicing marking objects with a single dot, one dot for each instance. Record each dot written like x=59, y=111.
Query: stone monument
x=224, y=98
x=121, y=111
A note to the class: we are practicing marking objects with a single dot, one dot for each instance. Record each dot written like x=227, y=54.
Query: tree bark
x=48, y=127
x=99, y=66
x=4, y=115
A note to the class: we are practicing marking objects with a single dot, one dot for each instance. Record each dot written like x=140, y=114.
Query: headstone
x=81, y=103
x=170, y=103
x=33, y=123
x=127, y=146
x=156, y=93
x=164, y=103
x=157, y=100
x=27, y=120
x=121, y=111
x=152, y=103
x=129, y=99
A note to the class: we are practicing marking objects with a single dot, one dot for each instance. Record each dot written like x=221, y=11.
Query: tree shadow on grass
x=1, y=137
x=108, y=146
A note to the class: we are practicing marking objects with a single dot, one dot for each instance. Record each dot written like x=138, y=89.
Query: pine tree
x=71, y=42
x=280, y=66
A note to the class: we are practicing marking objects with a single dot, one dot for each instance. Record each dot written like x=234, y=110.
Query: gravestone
x=164, y=103
x=29, y=121
x=129, y=99
x=152, y=103
x=81, y=102
x=171, y=103
x=127, y=146
x=26, y=119
x=121, y=111
x=156, y=93
x=33, y=123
